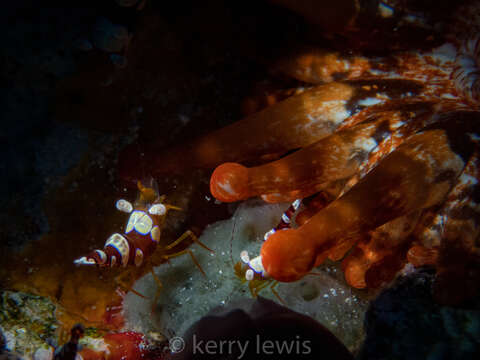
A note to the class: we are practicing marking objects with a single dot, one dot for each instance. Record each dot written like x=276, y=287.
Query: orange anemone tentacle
x=339, y=156
x=417, y=175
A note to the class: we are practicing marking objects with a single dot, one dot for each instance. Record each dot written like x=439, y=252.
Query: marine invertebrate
x=392, y=164
x=418, y=175
x=356, y=117
x=383, y=207
x=296, y=122
x=333, y=158
x=141, y=238
x=252, y=270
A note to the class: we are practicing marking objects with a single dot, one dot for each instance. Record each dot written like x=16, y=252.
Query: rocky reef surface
x=26, y=321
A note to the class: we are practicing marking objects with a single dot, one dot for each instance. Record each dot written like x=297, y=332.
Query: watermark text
x=295, y=346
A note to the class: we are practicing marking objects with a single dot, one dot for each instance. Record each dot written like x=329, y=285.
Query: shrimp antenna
x=231, y=240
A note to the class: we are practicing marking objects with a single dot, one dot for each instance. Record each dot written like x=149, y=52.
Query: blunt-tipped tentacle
x=339, y=156
x=295, y=122
x=417, y=175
